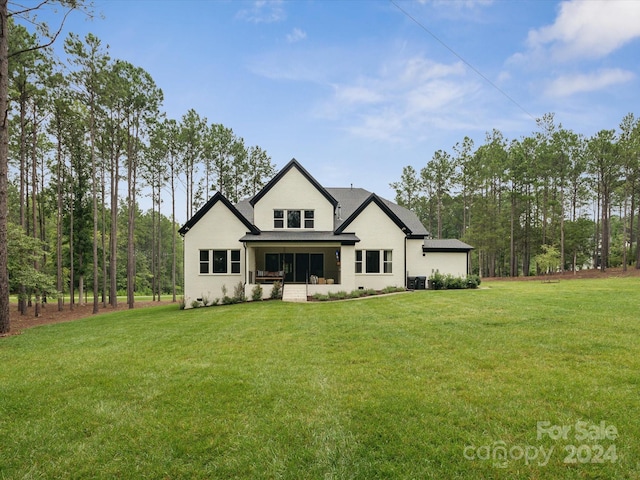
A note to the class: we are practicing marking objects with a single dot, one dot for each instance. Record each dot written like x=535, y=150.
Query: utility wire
x=478, y=72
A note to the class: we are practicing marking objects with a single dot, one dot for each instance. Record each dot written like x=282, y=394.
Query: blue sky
x=355, y=90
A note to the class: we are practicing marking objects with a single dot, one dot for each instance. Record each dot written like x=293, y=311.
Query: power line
x=478, y=72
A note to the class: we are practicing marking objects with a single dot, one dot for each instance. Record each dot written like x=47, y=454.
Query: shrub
x=437, y=281
x=182, y=303
x=276, y=291
x=195, y=304
x=238, y=293
x=205, y=300
x=473, y=281
x=454, y=283
x=392, y=289
x=256, y=293
x=320, y=297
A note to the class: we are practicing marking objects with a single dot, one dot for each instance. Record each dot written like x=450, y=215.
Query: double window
x=219, y=261
x=374, y=261
x=293, y=218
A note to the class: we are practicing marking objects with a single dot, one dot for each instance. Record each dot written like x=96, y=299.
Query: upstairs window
x=308, y=218
x=293, y=218
x=278, y=219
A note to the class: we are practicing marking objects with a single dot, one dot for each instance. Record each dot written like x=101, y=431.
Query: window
x=219, y=261
x=278, y=219
x=358, y=261
x=235, y=261
x=373, y=261
x=293, y=218
x=387, y=262
x=308, y=218
x=204, y=261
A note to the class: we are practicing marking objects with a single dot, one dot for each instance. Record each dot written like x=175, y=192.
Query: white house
x=311, y=237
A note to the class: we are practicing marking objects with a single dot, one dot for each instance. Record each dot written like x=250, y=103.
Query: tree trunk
x=5, y=323
x=81, y=291
x=34, y=196
x=173, y=235
x=59, y=221
x=113, y=241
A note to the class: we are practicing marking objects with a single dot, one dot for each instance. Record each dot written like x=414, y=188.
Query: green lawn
x=417, y=385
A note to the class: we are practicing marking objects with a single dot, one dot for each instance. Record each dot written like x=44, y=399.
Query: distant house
x=320, y=239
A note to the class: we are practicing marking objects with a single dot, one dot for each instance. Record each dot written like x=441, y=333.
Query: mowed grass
x=416, y=385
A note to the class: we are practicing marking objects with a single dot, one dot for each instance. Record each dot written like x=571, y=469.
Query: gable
x=293, y=164
x=218, y=198
x=375, y=228
x=294, y=189
x=374, y=199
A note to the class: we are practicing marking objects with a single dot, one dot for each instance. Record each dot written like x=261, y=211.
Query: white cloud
x=567, y=85
x=588, y=29
x=406, y=100
x=263, y=11
x=296, y=35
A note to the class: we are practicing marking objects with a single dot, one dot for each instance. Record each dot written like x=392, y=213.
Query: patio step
x=294, y=293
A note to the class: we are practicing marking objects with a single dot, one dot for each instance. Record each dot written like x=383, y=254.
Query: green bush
x=276, y=291
x=454, y=283
x=473, y=281
x=256, y=293
x=238, y=293
x=437, y=281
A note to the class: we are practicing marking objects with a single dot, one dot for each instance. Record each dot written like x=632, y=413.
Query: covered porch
x=313, y=259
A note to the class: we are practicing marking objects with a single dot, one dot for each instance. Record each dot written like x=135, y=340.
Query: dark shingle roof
x=350, y=199
x=445, y=245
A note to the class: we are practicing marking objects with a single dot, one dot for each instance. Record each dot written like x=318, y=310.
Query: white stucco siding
x=219, y=229
x=377, y=231
x=293, y=192
x=447, y=263
x=417, y=265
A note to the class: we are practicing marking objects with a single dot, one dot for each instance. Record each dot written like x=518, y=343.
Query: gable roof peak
x=293, y=163
x=217, y=197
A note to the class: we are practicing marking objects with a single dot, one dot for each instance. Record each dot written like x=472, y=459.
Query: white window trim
x=230, y=262
x=363, y=262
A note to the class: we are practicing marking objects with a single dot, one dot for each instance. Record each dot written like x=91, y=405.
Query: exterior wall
x=447, y=263
x=376, y=231
x=207, y=234
x=453, y=263
x=293, y=191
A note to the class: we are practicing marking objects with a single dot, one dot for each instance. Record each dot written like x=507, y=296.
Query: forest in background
x=552, y=201
x=87, y=140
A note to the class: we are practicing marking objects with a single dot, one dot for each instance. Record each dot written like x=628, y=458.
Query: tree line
x=555, y=193
x=86, y=138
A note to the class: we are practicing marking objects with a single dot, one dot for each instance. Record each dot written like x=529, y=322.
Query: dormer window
x=294, y=219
